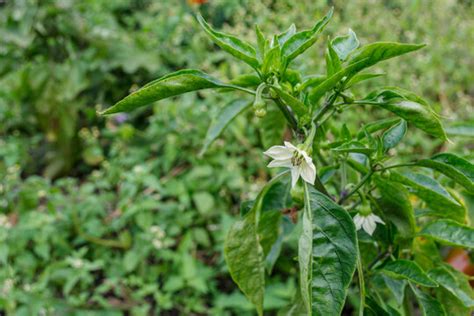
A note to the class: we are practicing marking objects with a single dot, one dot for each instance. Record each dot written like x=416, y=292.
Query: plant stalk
x=357, y=187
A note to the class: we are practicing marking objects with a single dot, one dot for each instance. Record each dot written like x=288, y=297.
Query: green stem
x=360, y=273
x=357, y=187
x=286, y=112
x=408, y=164
x=326, y=107
x=318, y=184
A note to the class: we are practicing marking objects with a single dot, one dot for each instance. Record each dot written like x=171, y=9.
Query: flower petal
x=279, y=152
x=369, y=226
x=306, y=157
x=295, y=174
x=358, y=221
x=280, y=163
x=377, y=219
x=290, y=146
x=308, y=172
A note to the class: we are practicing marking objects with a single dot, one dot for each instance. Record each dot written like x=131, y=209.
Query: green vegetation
x=128, y=214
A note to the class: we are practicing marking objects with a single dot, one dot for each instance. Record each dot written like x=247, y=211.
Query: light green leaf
x=283, y=37
x=450, y=232
x=272, y=126
x=334, y=252
x=435, y=196
x=246, y=81
x=223, y=119
x=360, y=78
x=333, y=63
x=452, y=166
x=231, y=44
x=296, y=105
x=354, y=147
x=269, y=229
x=428, y=304
x=408, y=270
x=394, y=135
x=455, y=282
x=262, y=43
x=395, y=203
x=409, y=107
x=461, y=129
x=272, y=61
x=344, y=45
x=168, y=86
x=377, y=126
x=376, y=52
x=301, y=41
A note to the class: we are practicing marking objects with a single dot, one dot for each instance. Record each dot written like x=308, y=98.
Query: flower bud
x=260, y=112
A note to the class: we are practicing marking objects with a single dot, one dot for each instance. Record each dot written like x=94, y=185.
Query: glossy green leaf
x=296, y=105
x=450, y=232
x=223, y=119
x=354, y=147
x=244, y=254
x=312, y=81
x=272, y=61
x=301, y=41
x=461, y=129
x=344, y=45
x=334, y=252
x=377, y=126
x=409, y=107
x=231, y=44
x=451, y=304
x=246, y=81
x=262, y=43
x=395, y=203
x=170, y=85
x=396, y=287
x=428, y=304
x=435, y=196
x=333, y=63
x=376, y=52
x=455, y=282
x=360, y=78
x=394, y=135
x=408, y=270
x=452, y=166
x=272, y=126
x=269, y=229
x=283, y=37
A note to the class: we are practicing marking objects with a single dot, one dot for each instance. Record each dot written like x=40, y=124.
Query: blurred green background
x=119, y=215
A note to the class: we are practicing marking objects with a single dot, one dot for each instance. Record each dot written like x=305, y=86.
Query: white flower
x=367, y=222
x=296, y=159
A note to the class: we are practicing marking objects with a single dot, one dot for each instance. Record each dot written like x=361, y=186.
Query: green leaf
x=334, y=252
x=360, y=78
x=333, y=63
x=272, y=61
x=168, y=86
x=376, y=52
x=409, y=107
x=269, y=229
x=344, y=45
x=396, y=287
x=283, y=37
x=430, y=191
x=394, y=135
x=428, y=304
x=262, y=43
x=377, y=126
x=272, y=126
x=450, y=232
x=246, y=81
x=461, y=129
x=455, y=282
x=296, y=105
x=301, y=41
x=408, y=270
x=452, y=166
x=231, y=44
x=395, y=203
x=223, y=119
x=354, y=147
x=312, y=81
x=244, y=254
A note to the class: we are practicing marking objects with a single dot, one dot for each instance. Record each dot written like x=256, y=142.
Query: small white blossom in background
x=158, y=237
x=7, y=286
x=76, y=263
x=297, y=160
x=5, y=222
x=367, y=222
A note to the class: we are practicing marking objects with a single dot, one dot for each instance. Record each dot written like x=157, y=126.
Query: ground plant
x=366, y=220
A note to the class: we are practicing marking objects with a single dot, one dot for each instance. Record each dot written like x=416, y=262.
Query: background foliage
x=121, y=214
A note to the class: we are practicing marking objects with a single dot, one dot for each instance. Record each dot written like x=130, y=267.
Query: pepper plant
x=364, y=222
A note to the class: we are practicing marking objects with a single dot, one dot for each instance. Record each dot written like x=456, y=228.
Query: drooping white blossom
x=298, y=160
x=367, y=222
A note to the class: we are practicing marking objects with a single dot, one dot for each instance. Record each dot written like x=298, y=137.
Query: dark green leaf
x=377, y=126
x=455, y=282
x=395, y=203
x=168, y=86
x=435, y=196
x=344, y=45
x=269, y=229
x=246, y=81
x=312, y=81
x=231, y=44
x=394, y=135
x=283, y=37
x=296, y=105
x=272, y=61
x=354, y=147
x=225, y=116
x=360, y=78
x=397, y=287
x=452, y=166
x=334, y=252
x=450, y=232
x=408, y=270
x=377, y=52
x=409, y=107
x=272, y=127
x=301, y=41
x=428, y=304
x=333, y=63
